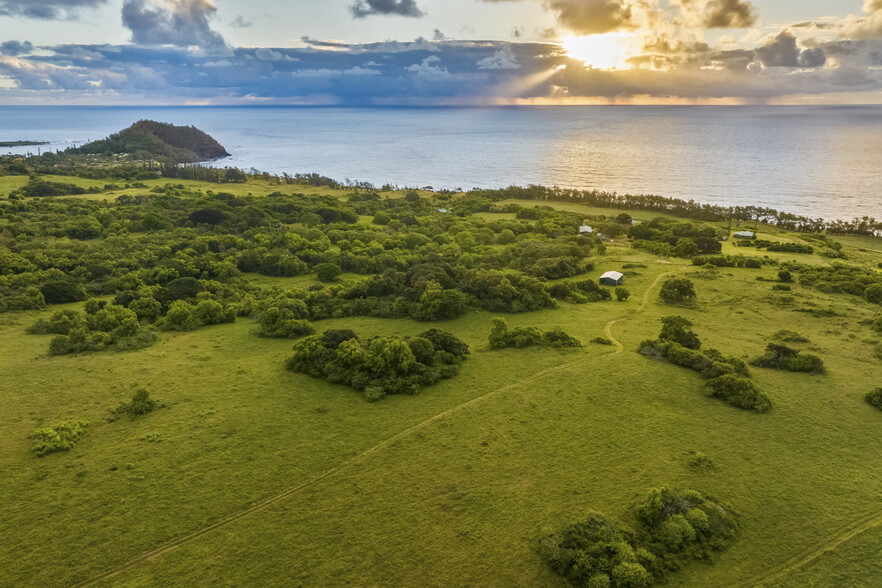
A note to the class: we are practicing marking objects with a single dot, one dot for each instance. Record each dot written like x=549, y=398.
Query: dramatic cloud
x=16, y=47
x=45, y=9
x=729, y=14
x=363, y=8
x=171, y=22
x=783, y=51
x=590, y=17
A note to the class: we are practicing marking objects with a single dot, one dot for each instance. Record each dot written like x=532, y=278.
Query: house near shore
x=612, y=279
x=745, y=235
x=586, y=230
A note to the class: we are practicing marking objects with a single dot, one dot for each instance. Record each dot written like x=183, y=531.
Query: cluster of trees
x=728, y=377
x=60, y=437
x=675, y=527
x=669, y=237
x=730, y=261
x=685, y=209
x=100, y=327
x=777, y=246
x=781, y=357
x=502, y=337
x=441, y=265
x=677, y=291
x=840, y=278
x=379, y=366
x=37, y=188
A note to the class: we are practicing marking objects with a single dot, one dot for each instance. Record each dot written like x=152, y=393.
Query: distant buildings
x=745, y=235
x=586, y=230
x=612, y=279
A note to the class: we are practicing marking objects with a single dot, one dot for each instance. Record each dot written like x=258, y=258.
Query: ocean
x=814, y=161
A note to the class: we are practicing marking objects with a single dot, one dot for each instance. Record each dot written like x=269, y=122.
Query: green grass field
x=254, y=475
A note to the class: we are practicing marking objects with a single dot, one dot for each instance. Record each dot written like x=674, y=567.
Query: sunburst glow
x=608, y=51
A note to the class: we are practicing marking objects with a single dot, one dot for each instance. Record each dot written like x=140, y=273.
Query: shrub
x=381, y=218
x=874, y=398
x=501, y=337
x=327, y=272
x=781, y=357
x=146, y=309
x=622, y=293
x=677, y=291
x=60, y=437
x=180, y=317
x=436, y=304
x=739, y=392
x=785, y=276
x=140, y=404
x=281, y=323
x=872, y=294
x=602, y=341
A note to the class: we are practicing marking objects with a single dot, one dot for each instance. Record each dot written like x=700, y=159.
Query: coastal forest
x=222, y=376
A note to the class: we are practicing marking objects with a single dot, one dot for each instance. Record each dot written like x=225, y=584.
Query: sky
x=440, y=52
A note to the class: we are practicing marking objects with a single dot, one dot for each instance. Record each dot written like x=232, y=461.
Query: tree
x=381, y=218
x=679, y=330
x=677, y=291
x=327, y=272
x=310, y=219
x=412, y=196
x=62, y=290
x=785, y=276
x=622, y=293
x=208, y=216
x=624, y=218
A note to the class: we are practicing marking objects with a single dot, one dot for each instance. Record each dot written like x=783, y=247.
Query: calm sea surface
x=815, y=161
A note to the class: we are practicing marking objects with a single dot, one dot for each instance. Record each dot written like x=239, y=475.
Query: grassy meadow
x=250, y=474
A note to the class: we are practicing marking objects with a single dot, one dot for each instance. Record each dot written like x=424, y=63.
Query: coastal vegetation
x=262, y=313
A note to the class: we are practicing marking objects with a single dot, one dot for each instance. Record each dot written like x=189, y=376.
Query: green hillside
x=269, y=386
x=147, y=139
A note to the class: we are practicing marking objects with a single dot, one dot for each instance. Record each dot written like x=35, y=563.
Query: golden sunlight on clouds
x=607, y=51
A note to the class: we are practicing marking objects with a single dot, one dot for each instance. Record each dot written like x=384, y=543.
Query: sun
x=607, y=51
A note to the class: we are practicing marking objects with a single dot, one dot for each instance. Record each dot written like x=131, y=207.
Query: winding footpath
x=174, y=544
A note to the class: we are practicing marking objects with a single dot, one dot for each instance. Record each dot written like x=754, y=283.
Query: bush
x=327, y=272
x=677, y=291
x=739, y=392
x=61, y=291
x=601, y=341
x=140, y=404
x=60, y=437
x=781, y=357
x=789, y=337
x=281, y=323
x=622, y=293
x=785, y=276
x=872, y=294
x=874, y=398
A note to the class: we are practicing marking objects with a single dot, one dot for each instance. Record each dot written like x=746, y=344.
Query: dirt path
x=776, y=575
x=258, y=506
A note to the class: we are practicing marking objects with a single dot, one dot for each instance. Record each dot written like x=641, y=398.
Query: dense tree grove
x=175, y=257
x=674, y=528
x=379, y=366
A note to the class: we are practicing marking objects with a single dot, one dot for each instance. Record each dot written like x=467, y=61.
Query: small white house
x=612, y=279
x=745, y=235
x=586, y=230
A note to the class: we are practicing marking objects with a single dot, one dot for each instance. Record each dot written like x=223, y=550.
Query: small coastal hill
x=151, y=139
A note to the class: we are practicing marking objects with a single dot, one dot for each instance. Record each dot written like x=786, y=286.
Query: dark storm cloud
x=16, y=47
x=783, y=51
x=45, y=9
x=171, y=22
x=363, y=8
x=729, y=14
